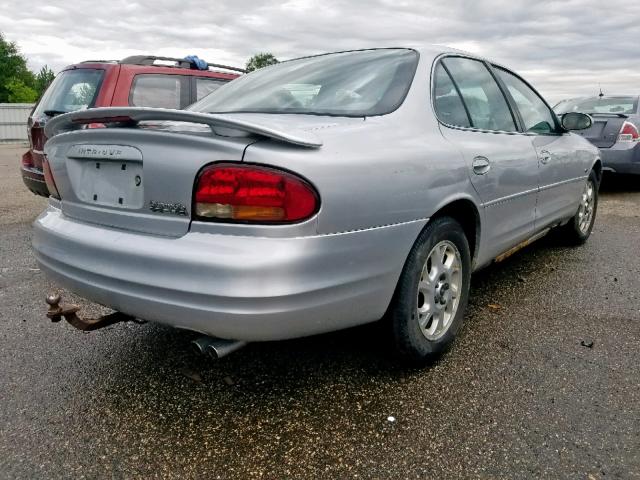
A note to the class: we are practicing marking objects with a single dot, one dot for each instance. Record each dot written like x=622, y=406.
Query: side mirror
x=576, y=121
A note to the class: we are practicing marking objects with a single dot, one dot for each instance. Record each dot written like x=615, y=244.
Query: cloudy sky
x=565, y=48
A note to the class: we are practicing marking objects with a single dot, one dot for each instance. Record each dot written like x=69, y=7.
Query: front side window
x=159, y=91
x=70, y=91
x=483, y=98
x=354, y=84
x=447, y=102
x=536, y=116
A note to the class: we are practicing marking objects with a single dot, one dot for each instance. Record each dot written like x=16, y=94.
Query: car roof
x=430, y=51
x=150, y=63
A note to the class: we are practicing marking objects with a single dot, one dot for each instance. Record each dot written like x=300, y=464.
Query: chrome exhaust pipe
x=219, y=348
x=216, y=347
x=200, y=344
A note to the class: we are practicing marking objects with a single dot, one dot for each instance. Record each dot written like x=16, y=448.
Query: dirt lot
x=519, y=396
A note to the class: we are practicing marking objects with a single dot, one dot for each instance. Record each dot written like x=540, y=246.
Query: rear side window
x=70, y=91
x=447, y=102
x=536, y=116
x=159, y=91
x=483, y=98
x=204, y=86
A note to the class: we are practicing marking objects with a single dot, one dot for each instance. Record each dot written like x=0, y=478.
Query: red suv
x=140, y=81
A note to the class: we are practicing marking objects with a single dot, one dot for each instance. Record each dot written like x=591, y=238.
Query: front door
x=562, y=173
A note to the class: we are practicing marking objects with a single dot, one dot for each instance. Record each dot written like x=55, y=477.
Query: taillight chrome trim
x=257, y=166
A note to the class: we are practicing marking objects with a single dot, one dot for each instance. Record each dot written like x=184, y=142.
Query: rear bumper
x=622, y=158
x=235, y=287
x=34, y=180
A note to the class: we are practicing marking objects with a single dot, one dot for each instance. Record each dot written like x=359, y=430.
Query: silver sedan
x=314, y=195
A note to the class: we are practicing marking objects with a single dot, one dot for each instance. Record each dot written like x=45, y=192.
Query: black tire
x=411, y=345
x=571, y=233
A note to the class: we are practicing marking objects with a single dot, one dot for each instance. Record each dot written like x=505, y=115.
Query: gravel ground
x=519, y=395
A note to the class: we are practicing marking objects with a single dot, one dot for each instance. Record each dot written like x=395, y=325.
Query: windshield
x=624, y=105
x=354, y=84
x=70, y=91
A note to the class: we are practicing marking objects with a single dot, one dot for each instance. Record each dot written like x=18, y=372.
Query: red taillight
x=628, y=133
x=96, y=125
x=48, y=178
x=250, y=193
x=27, y=160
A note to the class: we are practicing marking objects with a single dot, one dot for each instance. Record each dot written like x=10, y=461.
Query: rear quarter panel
x=383, y=170
x=372, y=174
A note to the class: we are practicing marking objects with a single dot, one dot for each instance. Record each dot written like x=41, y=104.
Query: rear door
x=502, y=162
x=562, y=166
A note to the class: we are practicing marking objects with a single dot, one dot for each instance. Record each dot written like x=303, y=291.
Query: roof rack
x=99, y=61
x=179, y=62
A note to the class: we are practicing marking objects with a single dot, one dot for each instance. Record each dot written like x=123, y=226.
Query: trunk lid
x=140, y=177
x=605, y=129
x=131, y=179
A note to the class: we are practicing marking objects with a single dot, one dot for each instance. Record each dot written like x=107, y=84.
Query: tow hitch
x=56, y=312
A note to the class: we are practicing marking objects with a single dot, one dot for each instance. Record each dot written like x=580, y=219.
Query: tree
x=18, y=92
x=43, y=79
x=14, y=73
x=260, y=60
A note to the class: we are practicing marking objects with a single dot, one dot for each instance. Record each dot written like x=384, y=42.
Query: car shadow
x=363, y=351
x=151, y=379
x=614, y=183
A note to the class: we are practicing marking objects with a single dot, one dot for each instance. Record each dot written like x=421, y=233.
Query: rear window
x=205, y=86
x=159, y=91
x=624, y=105
x=353, y=84
x=70, y=91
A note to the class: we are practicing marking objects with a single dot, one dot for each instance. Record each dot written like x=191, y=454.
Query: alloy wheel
x=439, y=290
x=587, y=202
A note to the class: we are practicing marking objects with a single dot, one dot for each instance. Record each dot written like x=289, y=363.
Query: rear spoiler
x=619, y=115
x=129, y=116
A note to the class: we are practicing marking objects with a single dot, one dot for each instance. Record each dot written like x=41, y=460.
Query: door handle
x=481, y=165
x=545, y=156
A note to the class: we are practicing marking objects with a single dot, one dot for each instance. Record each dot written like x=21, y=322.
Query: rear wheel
x=432, y=293
x=579, y=228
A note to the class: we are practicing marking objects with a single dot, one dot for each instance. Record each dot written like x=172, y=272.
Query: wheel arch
x=597, y=168
x=467, y=214
x=465, y=211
